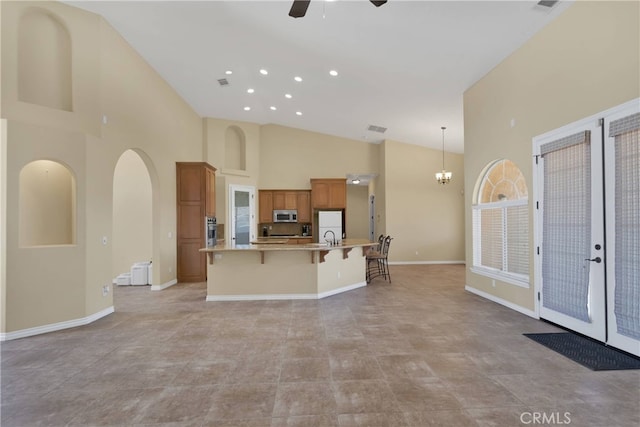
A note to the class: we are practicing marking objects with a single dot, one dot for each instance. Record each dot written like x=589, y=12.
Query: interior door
x=622, y=185
x=242, y=214
x=571, y=254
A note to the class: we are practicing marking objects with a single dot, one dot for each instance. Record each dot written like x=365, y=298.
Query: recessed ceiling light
x=298, y=113
x=333, y=73
x=228, y=72
x=247, y=108
x=264, y=72
x=250, y=90
x=273, y=108
x=297, y=78
x=288, y=95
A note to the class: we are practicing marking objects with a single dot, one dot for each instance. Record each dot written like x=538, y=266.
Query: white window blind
x=567, y=225
x=627, y=224
x=501, y=236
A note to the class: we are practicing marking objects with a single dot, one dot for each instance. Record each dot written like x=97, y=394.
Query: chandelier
x=443, y=177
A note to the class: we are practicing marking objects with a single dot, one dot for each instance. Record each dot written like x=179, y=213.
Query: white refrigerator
x=329, y=225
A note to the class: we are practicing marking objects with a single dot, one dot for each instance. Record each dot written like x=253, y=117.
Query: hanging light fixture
x=443, y=177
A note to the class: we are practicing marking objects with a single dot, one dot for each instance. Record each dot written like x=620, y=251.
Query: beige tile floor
x=418, y=352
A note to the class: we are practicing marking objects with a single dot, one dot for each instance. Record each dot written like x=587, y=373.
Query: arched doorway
x=132, y=237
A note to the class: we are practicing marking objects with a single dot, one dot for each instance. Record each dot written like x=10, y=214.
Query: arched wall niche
x=235, y=149
x=47, y=195
x=44, y=60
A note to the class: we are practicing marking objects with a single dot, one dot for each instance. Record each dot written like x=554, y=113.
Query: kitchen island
x=285, y=271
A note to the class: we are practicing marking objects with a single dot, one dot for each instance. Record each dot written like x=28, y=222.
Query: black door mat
x=587, y=352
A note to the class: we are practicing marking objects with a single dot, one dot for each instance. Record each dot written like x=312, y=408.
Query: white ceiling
x=403, y=66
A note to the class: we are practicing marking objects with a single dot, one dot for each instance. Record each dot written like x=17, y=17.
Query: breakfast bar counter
x=285, y=271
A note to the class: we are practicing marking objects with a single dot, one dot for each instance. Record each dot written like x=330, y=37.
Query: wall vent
x=223, y=82
x=547, y=3
x=379, y=129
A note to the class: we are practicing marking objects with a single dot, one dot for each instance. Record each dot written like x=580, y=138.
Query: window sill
x=513, y=279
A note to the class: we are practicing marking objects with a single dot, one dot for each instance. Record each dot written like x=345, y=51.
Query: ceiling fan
x=299, y=7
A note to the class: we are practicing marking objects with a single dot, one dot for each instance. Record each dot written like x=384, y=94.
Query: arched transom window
x=501, y=224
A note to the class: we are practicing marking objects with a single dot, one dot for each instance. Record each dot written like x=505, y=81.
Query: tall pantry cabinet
x=195, y=200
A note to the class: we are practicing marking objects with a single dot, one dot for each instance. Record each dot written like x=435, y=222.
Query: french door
x=587, y=227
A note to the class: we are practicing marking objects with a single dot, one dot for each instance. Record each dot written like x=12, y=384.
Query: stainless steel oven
x=211, y=230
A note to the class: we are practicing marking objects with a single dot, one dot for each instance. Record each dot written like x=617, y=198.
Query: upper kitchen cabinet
x=328, y=193
x=304, y=205
x=285, y=199
x=265, y=202
x=195, y=199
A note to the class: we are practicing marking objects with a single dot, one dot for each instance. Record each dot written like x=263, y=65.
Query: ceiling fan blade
x=299, y=8
x=378, y=3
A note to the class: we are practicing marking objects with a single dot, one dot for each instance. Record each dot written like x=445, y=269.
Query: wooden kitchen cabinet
x=328, y=193
x=270, y=200
x=265, y=200
x=303, y=204
x=284, y=199
x=195, y=199
x=278, y=200
x=210, y=191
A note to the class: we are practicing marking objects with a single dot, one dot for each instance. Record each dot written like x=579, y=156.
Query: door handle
x=597, y=259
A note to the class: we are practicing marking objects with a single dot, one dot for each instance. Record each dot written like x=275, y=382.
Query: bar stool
x=377, y=261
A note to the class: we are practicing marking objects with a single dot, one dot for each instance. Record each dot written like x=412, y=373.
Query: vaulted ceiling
x=403, y=66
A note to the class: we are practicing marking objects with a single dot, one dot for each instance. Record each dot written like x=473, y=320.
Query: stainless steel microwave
x=285, y=215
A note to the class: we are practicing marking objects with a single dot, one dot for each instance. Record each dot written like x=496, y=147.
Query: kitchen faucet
x=331, y=242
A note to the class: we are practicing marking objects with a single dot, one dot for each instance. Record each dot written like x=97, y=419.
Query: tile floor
x=418, y=352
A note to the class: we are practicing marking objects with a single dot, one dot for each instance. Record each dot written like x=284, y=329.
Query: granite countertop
x=260, y=247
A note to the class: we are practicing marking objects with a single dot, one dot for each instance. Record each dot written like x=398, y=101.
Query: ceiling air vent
x=223, y=82
x=547, y=3
x=379, y=129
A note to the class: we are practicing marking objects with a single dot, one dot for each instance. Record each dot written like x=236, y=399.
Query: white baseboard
x=164, y=285
x=341, y=290
x=501, y=301
x=23, y=333
x=260, y=297
x=424, y=262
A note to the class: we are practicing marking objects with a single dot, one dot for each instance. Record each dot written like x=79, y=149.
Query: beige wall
x=585, y=61
x=290, y=157
x=142, y=113
x=357, y=218
x=425, y=219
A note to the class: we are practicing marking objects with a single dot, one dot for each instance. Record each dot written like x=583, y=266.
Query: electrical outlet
x=105, y=290
x=218, y=256
x=338, y=274
x=170, y=269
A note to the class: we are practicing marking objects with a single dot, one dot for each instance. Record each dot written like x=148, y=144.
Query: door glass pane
x=566, y=236
x=241, y=200
x=627, y=220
